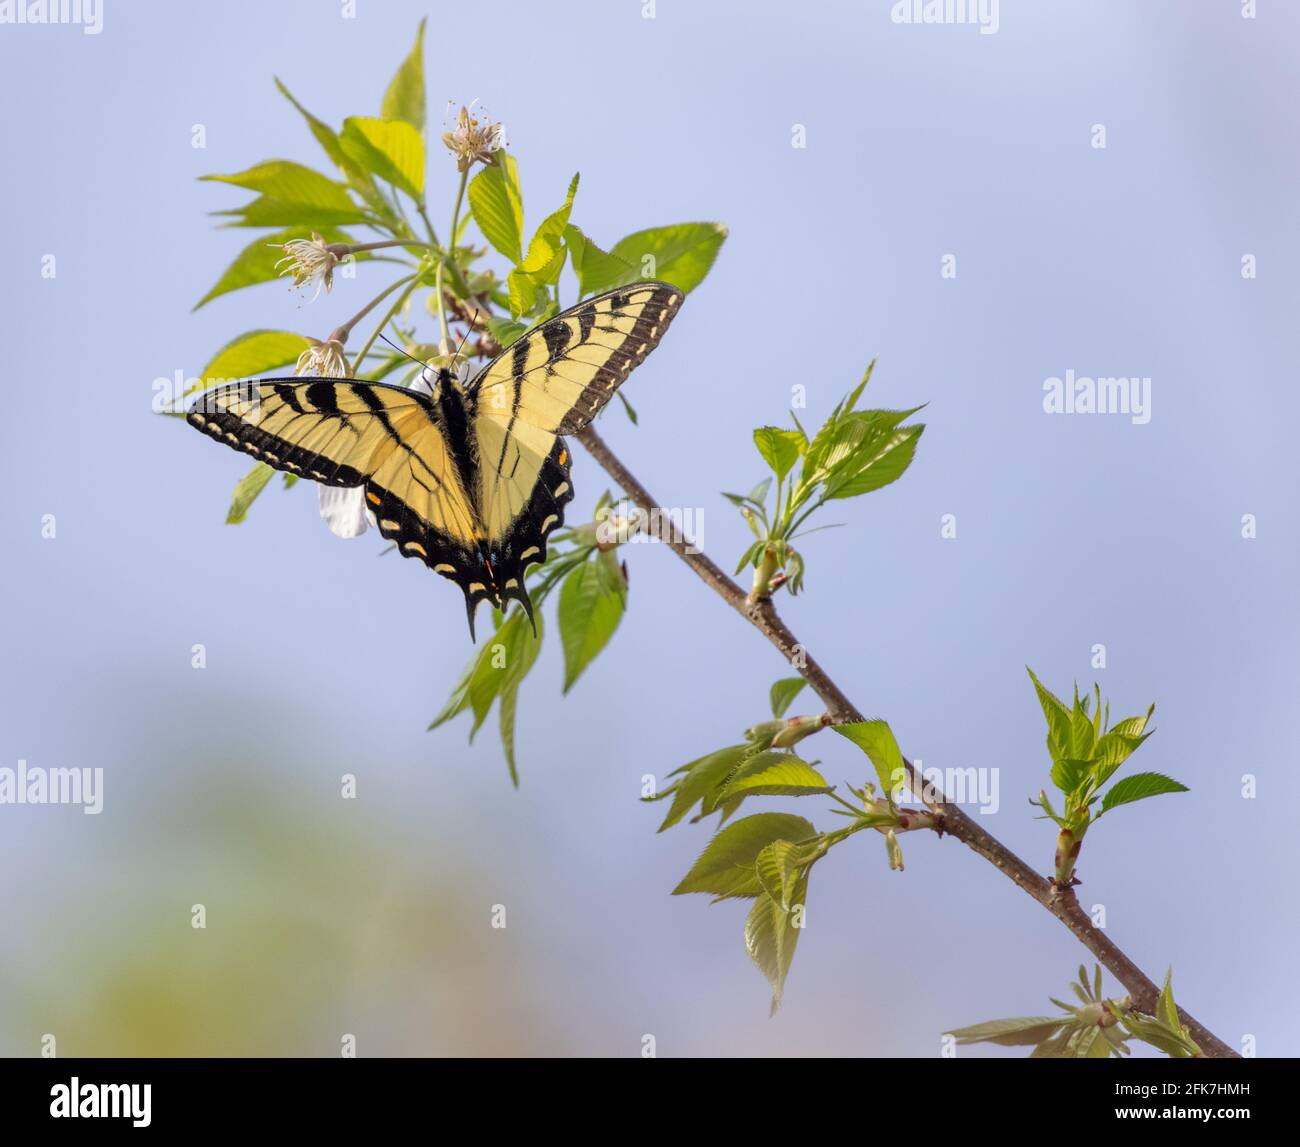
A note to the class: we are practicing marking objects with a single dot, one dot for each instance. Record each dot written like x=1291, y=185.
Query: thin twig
x=954, y=821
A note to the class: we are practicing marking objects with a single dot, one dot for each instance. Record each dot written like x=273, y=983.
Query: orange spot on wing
x=373, y=498
x=564, y=457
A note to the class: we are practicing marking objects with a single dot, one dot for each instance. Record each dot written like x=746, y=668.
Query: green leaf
x=505, y=331
x=1018, y=1032
x=1166, y=1009
x=726, y=866
x=256, y=263
x=784, y=692
x=404, y=98
x=701, y=777
x=1114, y=749
x=780, y=448
x=358, y=177
x=521, y=656
x=774, y=773
x=597, y=270
x=292, y=185
x=495, y=672
x=680, y=254
x=771, y=933
x=879, y=465
x=1138, y=787
x=545, y=259
x=264, y=211
x=253, y=353
x=1069, y=774
x=592, y=601
x=876, y=739
x=751, y=555
x=497, y=204
x=780, y=865
x=1059, y=733
x=389, y=148
x=1082, y=734
x=246, y=492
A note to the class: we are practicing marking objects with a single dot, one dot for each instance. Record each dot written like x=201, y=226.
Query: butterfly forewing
x=343, y=433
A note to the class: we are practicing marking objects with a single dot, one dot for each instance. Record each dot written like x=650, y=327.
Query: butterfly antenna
x=468, y=328
x=401, y=350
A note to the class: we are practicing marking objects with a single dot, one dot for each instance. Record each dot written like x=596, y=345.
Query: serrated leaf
x=1059, y=733
x=771, y=934
x=784, y=692
x=884, y=462
x=389, y=148
x=1015, y=1032
x=700, y=778
x=774, y=773
x=726, y=866
x=779, y=448
x=597, y=270
x=1114, y=748
x=542, y=264
x=680, y=254
x=780, y=865
x=505, y=331
x=1138, y=787
x=404, y=98
x=1068, y=774
x=592, y=601
x=246, y=492
x=497, y=204
x=876, y=739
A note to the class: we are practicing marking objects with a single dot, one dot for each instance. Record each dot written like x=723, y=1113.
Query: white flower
x=309, y=260
x=344, y=508
x=323, y=360
x=471, y=141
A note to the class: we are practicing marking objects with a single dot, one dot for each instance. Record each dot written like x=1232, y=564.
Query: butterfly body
x=471, y=478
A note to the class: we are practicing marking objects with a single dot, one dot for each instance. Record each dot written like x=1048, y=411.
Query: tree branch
x=954, y=821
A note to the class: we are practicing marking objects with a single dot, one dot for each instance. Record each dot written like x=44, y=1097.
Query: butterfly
x=473, y=477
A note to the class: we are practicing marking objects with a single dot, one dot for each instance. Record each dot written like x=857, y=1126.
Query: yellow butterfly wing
x=553, y=380
x=344, y=433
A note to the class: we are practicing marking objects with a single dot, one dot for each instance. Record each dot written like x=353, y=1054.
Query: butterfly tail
x=520, y=594
x=471, y=604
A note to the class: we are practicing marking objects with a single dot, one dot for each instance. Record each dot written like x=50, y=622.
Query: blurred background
x=372, y=916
